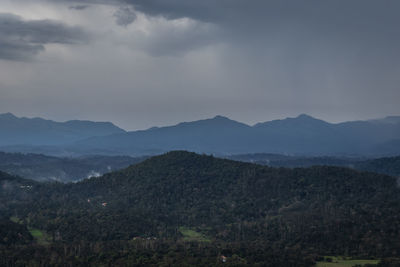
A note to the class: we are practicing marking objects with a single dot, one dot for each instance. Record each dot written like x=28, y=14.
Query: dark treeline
x=62, y=169
x=152, y=253
x=386, y=165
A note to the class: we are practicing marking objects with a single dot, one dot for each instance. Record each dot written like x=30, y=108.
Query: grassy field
x=192, y=235
x=15, y=219
x=343, y=262
x=41, y=237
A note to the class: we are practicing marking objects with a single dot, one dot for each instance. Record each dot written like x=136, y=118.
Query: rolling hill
x=384, y=165
x=60, y=169
x=200, y=207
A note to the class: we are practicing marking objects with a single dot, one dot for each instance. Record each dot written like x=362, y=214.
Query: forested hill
x=321, y=207
x=389, y=165
x=47, y=168
x=386, y=165
x=319, y=210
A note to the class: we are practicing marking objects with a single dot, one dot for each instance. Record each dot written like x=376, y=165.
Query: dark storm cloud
x=368, y=24
x=360, y=32
x=176, y=42
x=261, y=10
x=22, y=39
x=359, y=18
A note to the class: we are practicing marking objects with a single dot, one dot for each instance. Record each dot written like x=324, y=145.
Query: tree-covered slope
x=47, y=168
x=12, y=233
x=386, y=165
x=327, y=210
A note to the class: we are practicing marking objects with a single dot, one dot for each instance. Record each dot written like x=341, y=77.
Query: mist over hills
x=302, y=135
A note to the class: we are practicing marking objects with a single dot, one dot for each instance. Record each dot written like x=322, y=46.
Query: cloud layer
x=156, y=62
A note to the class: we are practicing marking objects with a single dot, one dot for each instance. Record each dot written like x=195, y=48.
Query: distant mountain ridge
x=38, y=131
x=303, y=135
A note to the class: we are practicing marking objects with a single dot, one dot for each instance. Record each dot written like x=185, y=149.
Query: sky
x=144, y=63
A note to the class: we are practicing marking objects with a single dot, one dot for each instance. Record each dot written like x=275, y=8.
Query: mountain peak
x=304, y=116
x=215, y=121
x=222, y=120
x=8, y=115
x=219, y=117
x=182, y=158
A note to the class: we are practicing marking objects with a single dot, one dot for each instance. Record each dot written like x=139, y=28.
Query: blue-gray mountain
x=40, y=132
x=303, y=135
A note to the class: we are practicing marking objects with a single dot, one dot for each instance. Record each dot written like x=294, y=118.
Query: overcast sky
x=143, y=63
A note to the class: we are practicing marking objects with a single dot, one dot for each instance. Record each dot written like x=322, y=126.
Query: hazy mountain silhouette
x=303, y=135
x=216, y=134
x=38, y=131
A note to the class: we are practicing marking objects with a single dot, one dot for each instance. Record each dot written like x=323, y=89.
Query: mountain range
x=40, y=132
x=303, y=135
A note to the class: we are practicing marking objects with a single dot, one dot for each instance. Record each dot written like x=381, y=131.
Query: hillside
x=278, y=160
x=388, y=165
x=46, y=168
x=385, y=165
x=12, y=233
x=230, y=205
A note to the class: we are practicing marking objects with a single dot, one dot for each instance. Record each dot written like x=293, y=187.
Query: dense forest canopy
x=43, y=168
x=194, y=205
